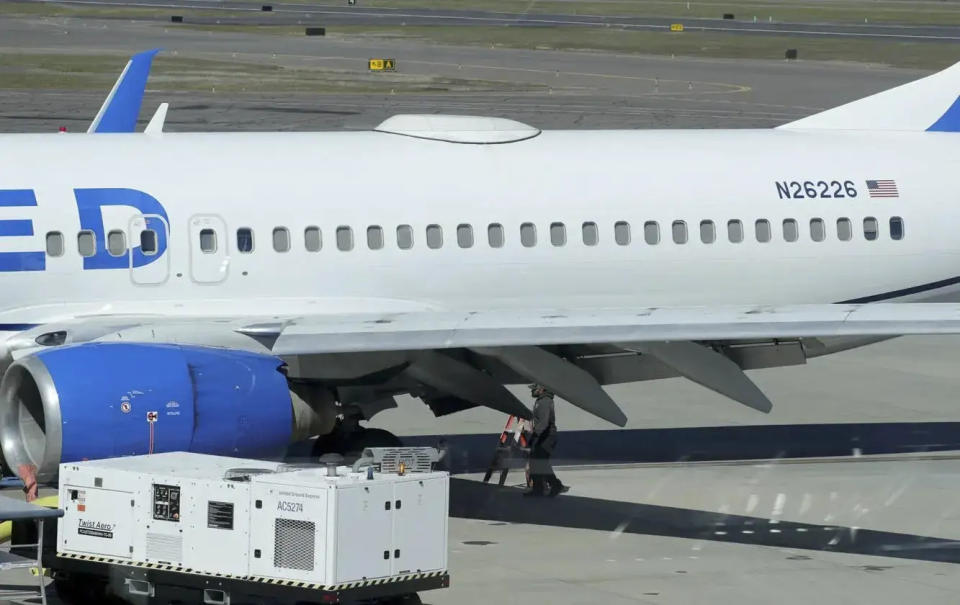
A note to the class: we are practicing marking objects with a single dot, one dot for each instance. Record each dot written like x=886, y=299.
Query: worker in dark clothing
x=542, y=443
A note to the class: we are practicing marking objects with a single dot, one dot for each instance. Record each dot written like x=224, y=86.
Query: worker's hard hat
x=535, y=387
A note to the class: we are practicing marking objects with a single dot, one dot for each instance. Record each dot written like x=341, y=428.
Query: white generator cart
x=230, y=529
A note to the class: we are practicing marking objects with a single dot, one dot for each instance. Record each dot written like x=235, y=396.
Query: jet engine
x=103, y=400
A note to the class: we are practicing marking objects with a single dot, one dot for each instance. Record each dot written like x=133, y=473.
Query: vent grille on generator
x=293, y=542
x=415, y=459
x=166, y=548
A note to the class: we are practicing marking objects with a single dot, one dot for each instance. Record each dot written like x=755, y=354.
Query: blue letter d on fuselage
x=89, y=205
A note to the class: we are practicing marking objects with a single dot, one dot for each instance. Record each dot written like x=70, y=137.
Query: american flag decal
x=883, y=188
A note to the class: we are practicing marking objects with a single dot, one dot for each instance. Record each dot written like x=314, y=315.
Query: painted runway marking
x=806, y=503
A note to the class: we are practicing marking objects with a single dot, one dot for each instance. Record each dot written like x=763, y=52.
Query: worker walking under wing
x=542, y=443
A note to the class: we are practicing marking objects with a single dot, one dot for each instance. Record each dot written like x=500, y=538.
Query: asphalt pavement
x=575, y=89
x=294, y=13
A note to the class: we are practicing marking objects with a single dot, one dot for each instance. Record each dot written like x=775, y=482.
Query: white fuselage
x=361, y=179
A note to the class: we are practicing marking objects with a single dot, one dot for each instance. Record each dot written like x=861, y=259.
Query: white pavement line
x=778, y=505
x=618, y=530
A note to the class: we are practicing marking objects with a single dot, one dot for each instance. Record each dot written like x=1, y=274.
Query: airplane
x=231, y=293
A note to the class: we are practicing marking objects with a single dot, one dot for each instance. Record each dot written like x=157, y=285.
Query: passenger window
x=679, y=232
x=621, y=232
x=245, y=240
x=495, y=235
x=281, y=239
x=528, y=235
x=870, y=228
x=344, y=238
x=86, y=243
x=434, y=236
x=148, y=242
x=651, y=233
x=55, y=243
x=405, y=237
x=844, y=229
x=208, y=241
x=312, y=239
x=762, y=230
x=790, y=230
x=116, y=243
x=708, y=232
x=896, y=228
x=591, y=236
x=465, y=236
x=735, y=231
x=558, y=234
x=818, y=231
x=374, y=237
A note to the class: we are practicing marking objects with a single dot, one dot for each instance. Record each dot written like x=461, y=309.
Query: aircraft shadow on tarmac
x=474, y=500
x=471, y=453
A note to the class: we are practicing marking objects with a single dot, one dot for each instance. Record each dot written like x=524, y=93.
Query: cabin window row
x=590, y=234
x=116, y=240
x=116, y=243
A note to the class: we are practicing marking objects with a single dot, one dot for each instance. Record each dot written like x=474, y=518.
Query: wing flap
x=707, y=368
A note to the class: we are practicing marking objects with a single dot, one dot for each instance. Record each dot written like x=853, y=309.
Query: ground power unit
x=322, y=527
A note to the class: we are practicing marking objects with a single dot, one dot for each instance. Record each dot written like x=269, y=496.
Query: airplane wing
x=470, y=329
x=533, y=345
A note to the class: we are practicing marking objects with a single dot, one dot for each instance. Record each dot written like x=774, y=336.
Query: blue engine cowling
x=102, y=400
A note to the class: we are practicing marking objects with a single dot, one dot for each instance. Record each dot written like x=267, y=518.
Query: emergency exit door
x=209, y=257
x=148, y=251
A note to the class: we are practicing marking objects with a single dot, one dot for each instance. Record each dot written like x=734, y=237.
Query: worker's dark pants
x=541, y=471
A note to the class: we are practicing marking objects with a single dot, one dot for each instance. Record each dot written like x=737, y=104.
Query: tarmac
x=855, y=530
x=575, y=89
x=236, y=12
x=845, y=531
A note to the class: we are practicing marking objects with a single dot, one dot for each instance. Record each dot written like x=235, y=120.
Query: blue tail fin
x=120, y=110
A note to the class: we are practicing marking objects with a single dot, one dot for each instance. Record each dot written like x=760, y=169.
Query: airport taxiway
x=549, y=89
x=294, y=13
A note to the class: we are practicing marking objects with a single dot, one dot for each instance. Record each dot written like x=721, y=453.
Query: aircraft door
x=148, y=254
x=209, y=258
